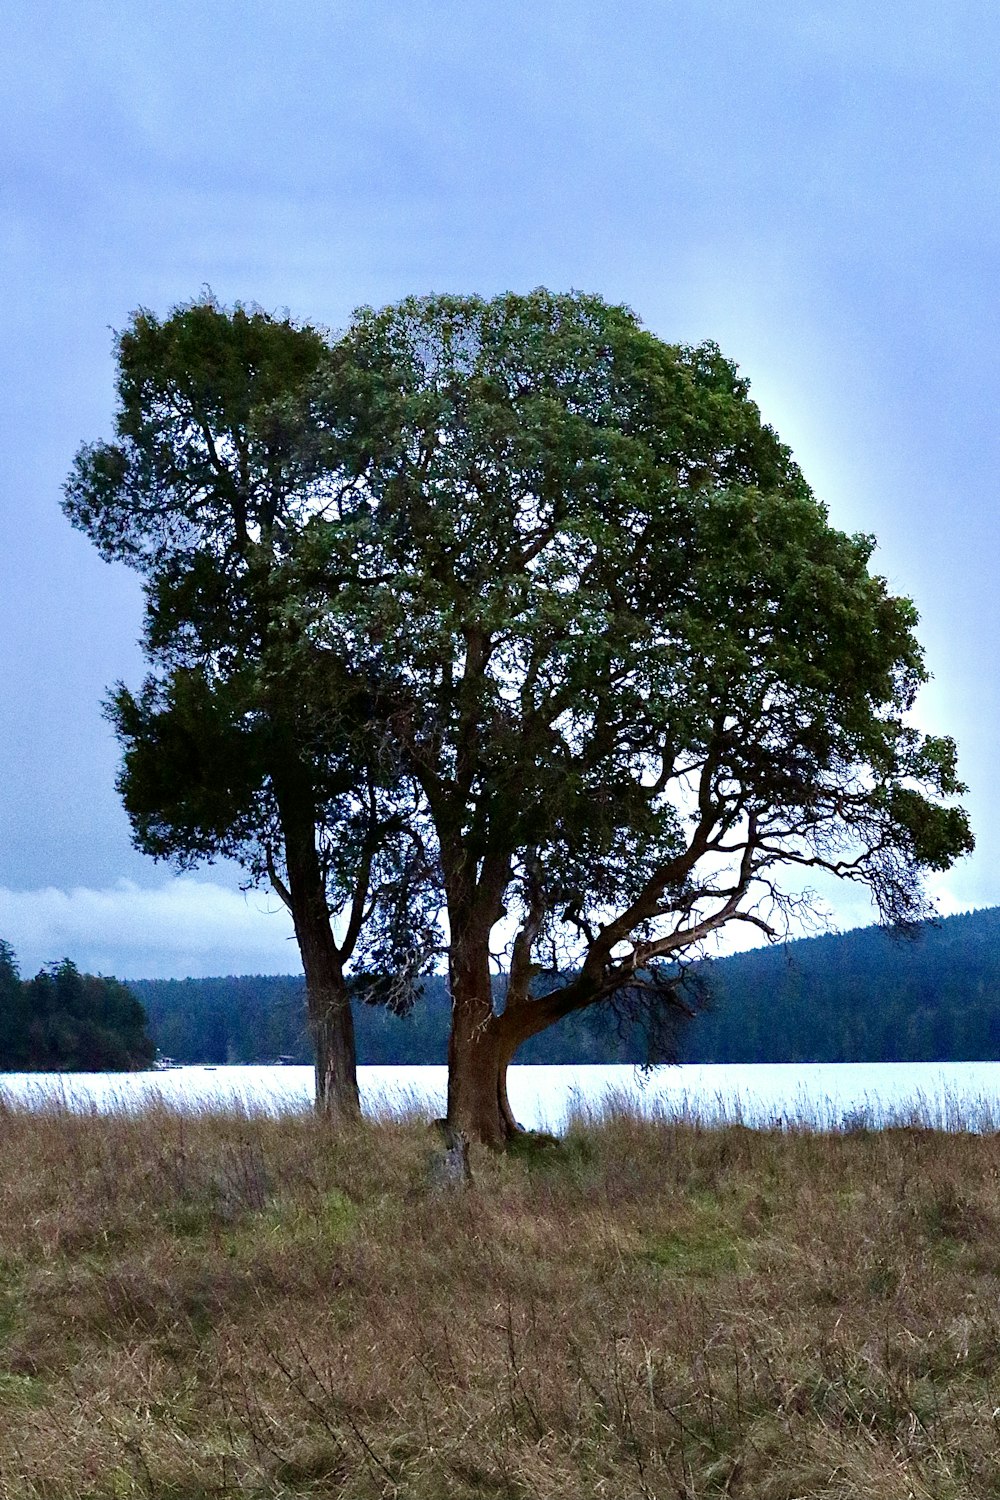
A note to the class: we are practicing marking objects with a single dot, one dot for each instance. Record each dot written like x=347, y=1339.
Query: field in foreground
x=234, y=1306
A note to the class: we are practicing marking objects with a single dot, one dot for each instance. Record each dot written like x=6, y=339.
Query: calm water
x=946, y=1095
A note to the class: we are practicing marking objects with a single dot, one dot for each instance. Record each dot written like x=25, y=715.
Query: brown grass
x=240, y=1306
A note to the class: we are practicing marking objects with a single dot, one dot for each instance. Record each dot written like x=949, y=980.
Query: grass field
x=243, y=1306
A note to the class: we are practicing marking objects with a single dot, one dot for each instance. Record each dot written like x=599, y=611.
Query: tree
x=629, y=669
x=13, y=1011
x=204, y=493
x=66, y=1020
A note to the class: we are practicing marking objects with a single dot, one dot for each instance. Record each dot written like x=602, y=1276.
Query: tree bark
x=477, y=1095
x=327, y=1000
x=482, y=1045
x=507, y=1050
x=331, y=1024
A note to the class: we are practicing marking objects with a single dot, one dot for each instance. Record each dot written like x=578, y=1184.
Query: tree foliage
x=204, y=491
x=67, y=1021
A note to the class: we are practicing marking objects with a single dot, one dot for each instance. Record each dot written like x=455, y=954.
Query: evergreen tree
x=66, y=1021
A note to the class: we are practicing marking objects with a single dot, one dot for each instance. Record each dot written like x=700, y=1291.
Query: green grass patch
x=21, y=1390
x=701, y=1250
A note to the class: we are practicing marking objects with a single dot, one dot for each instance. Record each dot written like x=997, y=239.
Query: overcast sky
x=813, y=185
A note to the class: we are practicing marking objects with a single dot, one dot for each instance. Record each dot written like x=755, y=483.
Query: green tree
x=204, y=492
x=630, y=671
x=13, y=1011
x=66, y=1020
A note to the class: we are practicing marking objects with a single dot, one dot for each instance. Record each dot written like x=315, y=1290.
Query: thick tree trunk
x=482, y=1046
x=477, y=1063
x=332, y=1027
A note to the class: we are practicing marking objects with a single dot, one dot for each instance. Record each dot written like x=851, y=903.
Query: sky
x=812, y=185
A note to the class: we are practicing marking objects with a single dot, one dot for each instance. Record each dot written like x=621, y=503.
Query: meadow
x=231, y=1304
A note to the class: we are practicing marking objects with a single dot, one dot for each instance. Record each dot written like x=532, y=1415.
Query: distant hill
x=858, y=996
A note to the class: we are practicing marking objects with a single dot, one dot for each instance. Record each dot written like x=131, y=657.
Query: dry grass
x=239, y=1306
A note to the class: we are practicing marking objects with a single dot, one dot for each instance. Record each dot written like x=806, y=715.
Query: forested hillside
x=256, y=1018
x=863, y=995
x=66, y=1021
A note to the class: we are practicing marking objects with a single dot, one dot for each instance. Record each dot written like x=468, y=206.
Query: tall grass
x=243, y=1305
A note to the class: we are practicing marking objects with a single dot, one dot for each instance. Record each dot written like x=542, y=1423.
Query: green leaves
x=539, y=591
x=193, y=778
x=210, y=490
x=603, y=614
x=207, y=455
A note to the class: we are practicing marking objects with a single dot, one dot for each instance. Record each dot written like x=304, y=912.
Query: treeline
x=67, y=1021
x=257, y=1018
x=859, y=996
x=864, y=996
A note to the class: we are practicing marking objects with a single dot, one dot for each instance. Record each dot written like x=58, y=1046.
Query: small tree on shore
x=632, y=673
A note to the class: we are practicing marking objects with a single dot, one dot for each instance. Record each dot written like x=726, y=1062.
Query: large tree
x=203, y=491
x=636, y=678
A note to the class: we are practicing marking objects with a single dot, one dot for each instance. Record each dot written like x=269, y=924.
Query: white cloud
x=948, y=902
x=185, y=927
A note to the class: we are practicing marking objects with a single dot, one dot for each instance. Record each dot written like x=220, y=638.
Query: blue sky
x=813, y=185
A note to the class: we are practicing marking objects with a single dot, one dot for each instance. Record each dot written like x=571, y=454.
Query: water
x=822, y=1095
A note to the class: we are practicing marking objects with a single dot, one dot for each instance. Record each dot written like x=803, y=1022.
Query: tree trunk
x=506, y=1113
x=477, y=1064
x=481, y=1048
x=332, y=1027
x=328, y=1003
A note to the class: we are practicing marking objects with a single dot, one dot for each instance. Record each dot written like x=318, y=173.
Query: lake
x=823, y=1095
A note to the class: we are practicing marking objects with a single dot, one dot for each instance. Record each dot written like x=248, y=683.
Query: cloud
x=186, y=927
x=949, y=902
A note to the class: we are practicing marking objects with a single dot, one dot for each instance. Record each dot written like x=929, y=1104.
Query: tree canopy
x=67, y=1021
x=507, y=618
